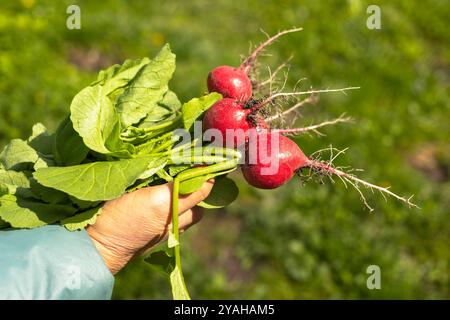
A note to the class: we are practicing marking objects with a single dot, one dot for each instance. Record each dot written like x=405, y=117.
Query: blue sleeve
x=52, y=263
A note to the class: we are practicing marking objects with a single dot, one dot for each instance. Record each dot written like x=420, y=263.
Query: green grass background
x=297, y=242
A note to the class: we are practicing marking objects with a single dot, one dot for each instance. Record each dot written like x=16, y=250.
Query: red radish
x=233, y=82
x=271, y=158
x=283, y=153
x=290, y=159
x=229, y=114
x=230, y=83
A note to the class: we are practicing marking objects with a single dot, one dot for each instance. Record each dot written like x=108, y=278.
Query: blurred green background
x=297, y=242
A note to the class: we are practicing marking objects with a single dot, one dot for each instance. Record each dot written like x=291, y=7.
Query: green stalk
x=196, y=159
x=176, y=235
x=166, y=144
x=215, y=168
x=162, y=125
x=196, y=156
x=225, y=166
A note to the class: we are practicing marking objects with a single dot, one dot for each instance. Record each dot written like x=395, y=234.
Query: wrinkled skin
x=138, y=221
x=289, y=157
x=230, y=83
x=229, y=114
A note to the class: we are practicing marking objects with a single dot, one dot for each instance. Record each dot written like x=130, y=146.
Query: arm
x=52, y=263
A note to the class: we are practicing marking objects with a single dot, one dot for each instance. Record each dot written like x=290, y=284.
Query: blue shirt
x=52, y=263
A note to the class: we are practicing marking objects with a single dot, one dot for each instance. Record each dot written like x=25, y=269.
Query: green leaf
x=40, y=140
x=176, y=169
x=118, y=76
x=4, y=224
x=3, y=189
x=18, y=155
x=162, y=259
x=43, y=162
x=192, y=185
x=97, y=122
x=81, y=220
x=147, y=88
x=48, y=195
x=38, y=130
x=164, y=175
x=171, y=241
x=98, y=180
x=224, y=192
x=151, y=170
x=166, y=108
x=194, y=108
x=84, y=205
x=68, y=149
x=17, y=183
x=170, y=101
x=179, y=290
x=21, y=213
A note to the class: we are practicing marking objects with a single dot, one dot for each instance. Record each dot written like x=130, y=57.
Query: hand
x=138, y=221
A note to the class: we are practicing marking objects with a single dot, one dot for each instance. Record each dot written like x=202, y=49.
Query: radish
x=277, y=148
x=233, y=82
x=230, y=115
x=276, y=157
x=230, y=82
x=290, y=159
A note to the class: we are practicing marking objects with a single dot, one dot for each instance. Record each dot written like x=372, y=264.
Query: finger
x=186, y=220
x=158, y=200
x=189, y=201
x=189, y=218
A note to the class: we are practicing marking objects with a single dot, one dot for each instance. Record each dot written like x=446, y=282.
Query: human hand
x=138, y=221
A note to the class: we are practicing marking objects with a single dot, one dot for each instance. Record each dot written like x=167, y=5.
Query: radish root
x=315, y=127
x=273, y=75
x=321, y=168
x=250, y=60
x=300, y=93
x=310, y=100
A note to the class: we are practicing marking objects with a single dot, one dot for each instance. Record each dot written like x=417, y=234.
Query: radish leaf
x=161, y=259
x=24, y=213
x=81, y=220
x=195, y=107
x=223, y=193
x=68, y=149
x=147, y=88
x=18, y=155
x=179, y=290
x=41, y=141
x=97, y=122
x=98, y=180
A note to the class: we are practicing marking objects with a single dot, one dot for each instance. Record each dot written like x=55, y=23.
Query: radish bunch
x=239, y=111
x=128, y=130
